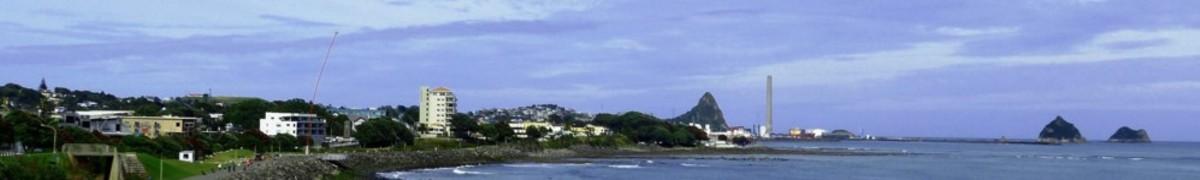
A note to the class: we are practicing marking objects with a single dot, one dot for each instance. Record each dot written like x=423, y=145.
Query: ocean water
x=1160, y=160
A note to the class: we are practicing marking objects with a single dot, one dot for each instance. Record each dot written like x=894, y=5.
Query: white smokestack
x=770, y=108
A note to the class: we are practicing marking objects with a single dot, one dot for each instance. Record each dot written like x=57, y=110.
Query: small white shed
x=187, y=156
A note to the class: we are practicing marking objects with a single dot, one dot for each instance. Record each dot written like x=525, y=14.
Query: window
x=177, y=125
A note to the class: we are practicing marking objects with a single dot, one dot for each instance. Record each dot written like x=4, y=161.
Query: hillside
x=705, y=112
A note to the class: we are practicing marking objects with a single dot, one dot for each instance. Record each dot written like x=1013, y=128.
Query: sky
x=990, y=69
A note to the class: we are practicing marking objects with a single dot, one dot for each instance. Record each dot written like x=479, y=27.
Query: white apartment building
x=295, y=124
x=437, y=105
x=519, y=128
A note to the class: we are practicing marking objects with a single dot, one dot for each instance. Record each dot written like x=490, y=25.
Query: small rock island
x=1128, y=135
x=1060, y=131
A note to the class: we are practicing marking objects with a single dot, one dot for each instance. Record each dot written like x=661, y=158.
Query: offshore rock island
x=1128, y=135
x=1059, y=131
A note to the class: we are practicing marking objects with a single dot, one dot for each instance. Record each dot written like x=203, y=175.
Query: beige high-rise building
x=437, y=105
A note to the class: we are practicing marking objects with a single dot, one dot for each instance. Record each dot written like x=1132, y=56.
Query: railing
x=9, y=153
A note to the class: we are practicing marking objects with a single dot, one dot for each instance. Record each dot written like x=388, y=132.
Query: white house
x=187, y=156
x=520, y=127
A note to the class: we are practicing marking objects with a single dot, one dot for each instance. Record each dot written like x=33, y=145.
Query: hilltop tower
x=43, y=87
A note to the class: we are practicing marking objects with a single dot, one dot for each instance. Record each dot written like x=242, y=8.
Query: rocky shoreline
x=366, y=164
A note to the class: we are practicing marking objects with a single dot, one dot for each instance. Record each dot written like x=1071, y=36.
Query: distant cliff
x=705, y=112
x=1128, y=135
x=1060, y=131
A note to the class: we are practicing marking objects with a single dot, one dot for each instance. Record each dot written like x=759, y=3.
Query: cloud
x=957, y=31
x=563, y=69
x=1138, y=96
x=856, y=68
x=298, y=19
x=576, y=92
x=1135, y=44
x=1162, y=87
x=626, y=44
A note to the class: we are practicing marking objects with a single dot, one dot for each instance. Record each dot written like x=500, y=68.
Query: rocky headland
x=706, y=112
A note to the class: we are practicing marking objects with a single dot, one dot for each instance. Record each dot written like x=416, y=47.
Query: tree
x=463, y=126
x=659, y=135
x=227, y=140
x=504, y=132
x=139, y=144
x=411, y=115
x=147, y=110
x=254, y=139
x=383, y=132
x=246, y=114
x=645, y=128
x=697, y=133
x=285, y=142
x=76, y=135
x=534, y=133
x=29, y=129
x=295, y=106
x=6, y=130
x=45, y=108
x=21, y=98
x=169, y=145
x=197, y=142
x=393, y=111
x=567, y=119
x=337, y=125
x=681, y=137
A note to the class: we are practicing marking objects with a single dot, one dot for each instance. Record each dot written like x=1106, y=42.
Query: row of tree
x=644, y=128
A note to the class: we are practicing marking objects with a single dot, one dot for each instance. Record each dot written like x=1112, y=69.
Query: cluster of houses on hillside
x=437, y=107
x=439, y=104
x=536, y=112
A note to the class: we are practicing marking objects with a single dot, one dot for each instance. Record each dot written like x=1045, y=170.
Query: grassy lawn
x=172, y=168
x=225, y=156
x=175, y=169
x=39, y=157
x=37, y=165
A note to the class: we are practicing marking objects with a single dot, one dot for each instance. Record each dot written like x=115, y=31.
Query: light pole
x=54, y=142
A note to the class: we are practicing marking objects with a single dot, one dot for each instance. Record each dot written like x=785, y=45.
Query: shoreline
x=581, y=154
x=365, y=165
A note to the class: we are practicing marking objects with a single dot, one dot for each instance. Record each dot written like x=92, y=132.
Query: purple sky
x=899, y=68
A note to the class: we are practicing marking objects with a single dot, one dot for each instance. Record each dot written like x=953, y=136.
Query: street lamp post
x=54, y=142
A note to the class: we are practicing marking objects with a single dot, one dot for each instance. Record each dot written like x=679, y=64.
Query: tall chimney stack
x=770, y=108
